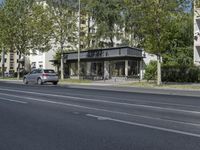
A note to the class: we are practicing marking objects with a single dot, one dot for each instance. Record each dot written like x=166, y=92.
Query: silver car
x=41, y=76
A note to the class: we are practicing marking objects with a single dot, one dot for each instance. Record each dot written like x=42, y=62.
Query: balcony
x=197, y=38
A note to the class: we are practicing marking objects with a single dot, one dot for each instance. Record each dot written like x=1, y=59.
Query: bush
x=173, y=73
x=151, y=71
x=180, y=74
x=22, y=73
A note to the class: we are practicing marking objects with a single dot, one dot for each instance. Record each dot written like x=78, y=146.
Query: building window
x=83, y=22
x=133, y=68
x=83, y=67
x=33, y=65
x=82, y=46
x=73, y=69
x=97, y=68
x=117, y=68
x=91, y=30
x=82, y=34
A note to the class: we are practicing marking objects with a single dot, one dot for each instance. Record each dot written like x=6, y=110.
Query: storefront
x=99, y=64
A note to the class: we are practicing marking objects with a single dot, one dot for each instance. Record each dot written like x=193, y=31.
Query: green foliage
x=174, y=72
x=197, y=3
x=150, y=71
x=181, y=31
x=131, y=23
x=3, y=28
x=63, y=16
x=157, y=18
x=178, y=66
x=177, y=74
x=162, y=27
x=107, y=17
x=27, y=25
x=41, y=27
x=181, y=57
x=178, y=59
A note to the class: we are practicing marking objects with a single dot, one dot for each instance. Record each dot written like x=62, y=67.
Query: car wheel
x=55, y=83
x=25, y=81
x=39, y=82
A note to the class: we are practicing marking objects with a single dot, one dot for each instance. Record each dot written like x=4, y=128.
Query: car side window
x=33, y=72
x=39, y=71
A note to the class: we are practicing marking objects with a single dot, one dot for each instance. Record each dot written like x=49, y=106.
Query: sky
x=1, y=1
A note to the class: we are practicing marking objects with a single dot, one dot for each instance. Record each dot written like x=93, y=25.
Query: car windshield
x=49, y=71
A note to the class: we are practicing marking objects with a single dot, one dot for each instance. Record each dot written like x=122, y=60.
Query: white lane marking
x=104, y=110
x=144, y=125
x=11, y=100
x=138, y=100
x=104, y=101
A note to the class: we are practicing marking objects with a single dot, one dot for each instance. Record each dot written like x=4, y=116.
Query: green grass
x=165, y=86
x=8, y=78
x=186, y=87
x=74, y=81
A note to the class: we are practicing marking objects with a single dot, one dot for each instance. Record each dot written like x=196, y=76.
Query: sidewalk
x=122, y=87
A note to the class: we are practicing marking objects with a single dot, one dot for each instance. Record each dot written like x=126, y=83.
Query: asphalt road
x=64, y=118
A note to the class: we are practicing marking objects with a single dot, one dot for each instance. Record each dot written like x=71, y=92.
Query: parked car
x=41, y=76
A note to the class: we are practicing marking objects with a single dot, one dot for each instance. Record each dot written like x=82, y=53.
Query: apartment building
x=10, y=61
x=197, y=32
x=42, y=60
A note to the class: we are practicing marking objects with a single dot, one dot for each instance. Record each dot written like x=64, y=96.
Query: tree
x=63, y=15
x=28, y=27
x=181, y=41
x=131, y=17
x=2, y=37
x=157, y=18
x=106, y=16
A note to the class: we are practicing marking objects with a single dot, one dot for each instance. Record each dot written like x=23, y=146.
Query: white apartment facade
x=10, y=62
x=196, y=33
x=42, y=60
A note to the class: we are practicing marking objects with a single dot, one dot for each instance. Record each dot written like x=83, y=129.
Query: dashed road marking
x=144, y=125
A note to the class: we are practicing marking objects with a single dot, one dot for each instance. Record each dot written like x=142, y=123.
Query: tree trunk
x=111, y=42
x=159, y=81
x=3, y=63
x=18, y=67
x=62, y=64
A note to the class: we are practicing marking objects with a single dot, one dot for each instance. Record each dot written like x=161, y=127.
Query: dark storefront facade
x=99, y=64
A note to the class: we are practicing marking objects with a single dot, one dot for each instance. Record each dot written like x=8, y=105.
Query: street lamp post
x=79, y=39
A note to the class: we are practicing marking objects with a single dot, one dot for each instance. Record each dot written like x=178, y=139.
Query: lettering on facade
x=95, y=54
